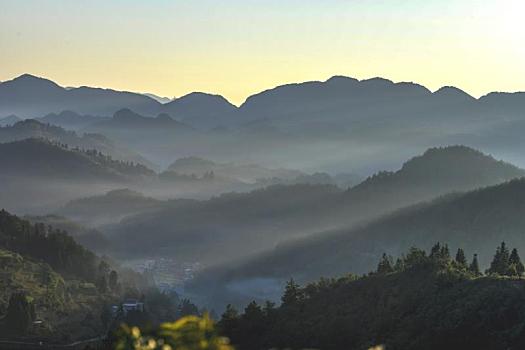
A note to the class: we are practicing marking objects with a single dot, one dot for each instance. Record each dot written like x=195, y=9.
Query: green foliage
x=293, y=294
x=385, y=265
x=54, y=247
x=461, y=260
x=20, y=313
x=188, y=333
x=474, y=266
x=505, y=264
x=432, y=302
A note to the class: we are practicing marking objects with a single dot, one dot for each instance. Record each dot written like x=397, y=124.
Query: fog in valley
x=221, y=205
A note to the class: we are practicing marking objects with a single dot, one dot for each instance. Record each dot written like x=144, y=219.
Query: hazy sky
x=238, y=47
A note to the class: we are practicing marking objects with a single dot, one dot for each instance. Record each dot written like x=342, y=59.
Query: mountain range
x=28, y=96
x=235, y=225
x=331, y=121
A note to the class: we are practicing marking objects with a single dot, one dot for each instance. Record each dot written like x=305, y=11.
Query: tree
x=445, y=253
x=102, y=284
x=415, y=257
x=435, y=251
x=516, y=267
x=500, y=263
x=400, y=264
x=253, y=312
x=474, y=266
x=385, y=265
x=230, y=321
x=293, y=293
x=20, y=313
x=113, y=280
x=461, y=260
x=186, y=308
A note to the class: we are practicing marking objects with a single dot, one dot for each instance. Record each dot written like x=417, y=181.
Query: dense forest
x=62, y=284
x=435, y=300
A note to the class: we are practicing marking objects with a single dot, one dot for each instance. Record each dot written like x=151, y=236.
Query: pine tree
x=445, y=253
x=230, y=320
x=293, y=293
x=385, y=265
x=461, y=261
x=474, y=266
x=231, y=313
x=435, y=251
x=500, y=263
x=400, y=264
x=516, y=267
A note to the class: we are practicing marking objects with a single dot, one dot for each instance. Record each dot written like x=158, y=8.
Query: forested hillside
x=234, y=225
x=47, y=277
x=477, y=220
x=39, y=158
x=421, y=301
x=31, y=128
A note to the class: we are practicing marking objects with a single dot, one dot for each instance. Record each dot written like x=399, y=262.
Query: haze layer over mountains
x=302, y=180
x=341, y=123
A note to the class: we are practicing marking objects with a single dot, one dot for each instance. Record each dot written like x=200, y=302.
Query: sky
x=239, y=47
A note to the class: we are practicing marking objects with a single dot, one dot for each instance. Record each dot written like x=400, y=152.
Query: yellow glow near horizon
x=237, y=48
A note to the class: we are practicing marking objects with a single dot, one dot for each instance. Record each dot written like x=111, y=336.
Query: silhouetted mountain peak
x=341, y=79
x=453, y=92
x=202, y=97
x=126, y=114
x=453, y=166
x=30, y=82
x=377, y=81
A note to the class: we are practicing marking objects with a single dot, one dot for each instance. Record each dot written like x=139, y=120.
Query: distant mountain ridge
x=31, y=97
x=281, y=125
x=31, y=128
x=40, y=158
x=263, y=218
x=479, y=218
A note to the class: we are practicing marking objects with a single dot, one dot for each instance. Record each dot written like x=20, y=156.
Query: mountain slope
x=39, y=158
x=428, y=302
x=235, y=225
x=31, y=128
x=110, y=207
x=478, y=220
x=60, y=278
